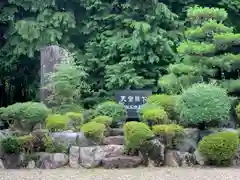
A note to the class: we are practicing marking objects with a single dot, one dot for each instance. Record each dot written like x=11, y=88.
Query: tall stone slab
x=51, y=57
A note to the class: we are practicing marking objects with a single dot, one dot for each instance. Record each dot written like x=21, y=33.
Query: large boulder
x=118, y=140
x=153, y=150
x=52, y=160
x=116, y=132
x=12, y=161
x=74, y=157
x=190, y=141
x=68, y=138
x=121, y=162
x=91, y=157
x=199, y=158
x=177, y=159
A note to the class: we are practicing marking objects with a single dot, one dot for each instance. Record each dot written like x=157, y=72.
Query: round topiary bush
x=146, y=107
x=170, y=134
x=24, y=116
x=76, y=119
x=106, y=120
x=112, y=109
x=135, y=134
x=203, y=104
x=166, y=101
x=219, y=148
x=57, y=122
x=156, y=116
x=11, y=145
x=94, y=130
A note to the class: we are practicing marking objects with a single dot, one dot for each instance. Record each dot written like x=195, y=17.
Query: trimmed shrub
x=166, y=101
x=76, y=119
x=156, y=116
x=219, y=148
x=88, y=115
x=57, y=122
x=25, y=116
x=53, y=147
x=112, y=109
x=26, y=143
x=106, y=120
x=237, y=110
x=94, y=130
x=146, y=107
x=170, y=134
x=11, y=145
x=136, y=134
x=204, y=104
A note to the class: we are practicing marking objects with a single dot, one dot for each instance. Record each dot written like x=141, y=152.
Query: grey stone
x=153, y=150
x=190, y=141
x=178, y=159
x=1, y=164
x=31, y=165
x=236, y=158
x=74, y=157
x=12, y=161
x=52, y=160
x=207, y=132
x=68, y=139
x=91, y=157
x=116, y=132
x=199, y=158
x=121, y=162
x=118, y=140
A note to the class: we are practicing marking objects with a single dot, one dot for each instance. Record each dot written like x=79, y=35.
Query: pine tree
x=209, y=52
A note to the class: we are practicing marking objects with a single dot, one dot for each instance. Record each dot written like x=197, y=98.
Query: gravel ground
x=127, y=174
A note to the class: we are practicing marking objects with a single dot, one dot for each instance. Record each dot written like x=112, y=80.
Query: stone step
x=121, y=162
x=117, y=140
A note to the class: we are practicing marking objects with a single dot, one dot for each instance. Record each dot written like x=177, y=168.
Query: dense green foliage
x=204, y=104
x=170, y=134
x=219, y=148
x=11, y=145
x=106, y=120
x=24, y=116
x=136, y=134
x=94, y=130
x=57, y=122
x=156, y=115
x=116, y=111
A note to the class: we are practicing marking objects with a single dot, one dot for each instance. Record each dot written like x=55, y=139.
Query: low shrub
x=11, y=145
x=94, y=130
x=26, y=143
x=112, y=109
x=166, y=101
x=57, y=122
x=156, y=116
x=88, y=115
x=53, y=147
x=136, y=134
x=76, y=119
x=146, y=107
x=106, y=120
x=203, y=104
x=219, y=148
x=237, y=110
x=170, y=134
x=25, y=116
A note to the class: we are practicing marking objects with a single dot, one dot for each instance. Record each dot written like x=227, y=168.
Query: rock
x=199, y=158
x=31, y=165
x=178, y=159
x=1, y=164
x=70, y=139
x=207, y=132
x=229, y=129
x=38, y=126
x=121, y=162
x=236, y=158
x=91, y=157
x=116, y=132
x=118, y=140
x=74, y=157
x=190, y=141
x=12, y=161
x=40, y=132
x=153, y=150
x=52, y=160
x=3, y=135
